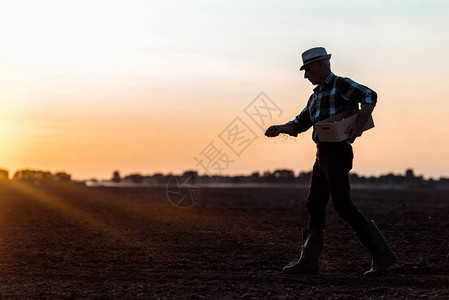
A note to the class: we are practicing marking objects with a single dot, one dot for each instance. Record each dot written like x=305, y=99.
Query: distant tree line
x=36, y=176
x=280, y=176
x=157, y=178
x=4, y=174
x=277, y=176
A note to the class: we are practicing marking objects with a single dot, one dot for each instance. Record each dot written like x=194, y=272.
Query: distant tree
x=190, y=176
x=190, y=173
x=135, y=178
x=116, y=176
x=158, y=178
x=409, y=175
x=284, y=174
x=304, y=177
x=62, y=177
x=255, y=177
x=267, y=174
x=4, y=174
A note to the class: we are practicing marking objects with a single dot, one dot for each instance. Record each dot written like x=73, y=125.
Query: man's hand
x=355, y=130
x=275, y=130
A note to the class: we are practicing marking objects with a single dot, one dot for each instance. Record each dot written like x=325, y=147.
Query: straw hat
x=314, y=54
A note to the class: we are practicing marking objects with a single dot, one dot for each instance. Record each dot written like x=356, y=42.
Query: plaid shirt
x=338, y=94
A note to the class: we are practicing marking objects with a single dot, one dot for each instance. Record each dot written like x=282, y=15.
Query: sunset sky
x=89, y=87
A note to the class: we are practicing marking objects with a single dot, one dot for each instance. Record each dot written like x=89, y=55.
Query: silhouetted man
x=330, y=176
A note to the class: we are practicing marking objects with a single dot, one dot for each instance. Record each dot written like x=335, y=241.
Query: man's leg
x=337, y=162
x=312, y=238
x=318, y=197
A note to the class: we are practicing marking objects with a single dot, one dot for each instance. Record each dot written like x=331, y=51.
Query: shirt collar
x=329, y=78
x=326, y=82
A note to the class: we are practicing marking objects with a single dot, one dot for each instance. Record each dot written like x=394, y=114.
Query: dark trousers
x=330, y=177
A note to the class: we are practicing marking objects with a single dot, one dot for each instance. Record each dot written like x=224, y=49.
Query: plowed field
x=71, y=241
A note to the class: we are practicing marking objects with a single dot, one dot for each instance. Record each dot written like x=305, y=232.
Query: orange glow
x=148, y=93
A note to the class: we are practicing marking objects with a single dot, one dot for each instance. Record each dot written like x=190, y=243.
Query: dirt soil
x=71, y=241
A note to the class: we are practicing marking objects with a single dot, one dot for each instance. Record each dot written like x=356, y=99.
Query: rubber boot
x=374, y=241
x=312, y=245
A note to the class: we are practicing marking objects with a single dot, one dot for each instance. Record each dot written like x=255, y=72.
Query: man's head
x=316, y=65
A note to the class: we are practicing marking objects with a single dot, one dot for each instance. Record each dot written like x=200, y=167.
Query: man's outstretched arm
x=275, y=130
x=300, y=124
